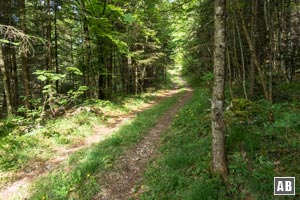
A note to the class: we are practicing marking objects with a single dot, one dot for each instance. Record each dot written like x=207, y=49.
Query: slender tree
x=219, y=165
x=5, y=84
x=25, y=67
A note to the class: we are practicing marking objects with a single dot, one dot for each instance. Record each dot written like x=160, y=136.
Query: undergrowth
x=262, y=141
x=24, y=145
x=79, y=181
x=183, y=168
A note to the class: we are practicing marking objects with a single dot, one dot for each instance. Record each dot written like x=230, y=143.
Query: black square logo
x=284, y=185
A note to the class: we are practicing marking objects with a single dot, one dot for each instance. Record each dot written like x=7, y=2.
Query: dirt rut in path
x=119, y=184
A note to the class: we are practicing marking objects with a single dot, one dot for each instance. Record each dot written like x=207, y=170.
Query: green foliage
x=209, y=76
x=30, y=115
x=54, y=102
x=17, y=150
x=80, y=181
x=48, y=75
x=256, y=152
x=129, y=18
x=23, y=144
x=183, y=170
x=74, y=70
x=242, y=111
x=192, y=36
x=262, y=142
x=288, y=120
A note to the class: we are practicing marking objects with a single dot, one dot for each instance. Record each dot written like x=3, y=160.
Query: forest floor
x=162, y=151
x=119, y=184
x=129, y=166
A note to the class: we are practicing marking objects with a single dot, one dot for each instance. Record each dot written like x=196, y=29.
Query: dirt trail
x=19, y=188
x=119, y=184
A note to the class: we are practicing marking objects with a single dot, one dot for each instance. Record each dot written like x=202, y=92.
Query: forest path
x=19, y=188
x=119, y=184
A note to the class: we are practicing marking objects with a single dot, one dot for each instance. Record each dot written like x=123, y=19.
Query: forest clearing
x=149, y=99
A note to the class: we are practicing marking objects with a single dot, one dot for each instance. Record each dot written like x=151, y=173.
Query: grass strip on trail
x=77, y=179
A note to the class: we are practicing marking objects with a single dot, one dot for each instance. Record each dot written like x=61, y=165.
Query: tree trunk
x=87, y=44
x=254, y=57
x=229, y=73
x=49, y=40
x=5, y=84
x=253, y=38
x=136, y=81
x=219, y=165
x=243, y=60
x=15, y=81
x=56, y=44
x=25, y=67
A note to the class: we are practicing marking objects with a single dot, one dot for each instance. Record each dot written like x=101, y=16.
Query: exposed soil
x=19, y=188
x=120, y=183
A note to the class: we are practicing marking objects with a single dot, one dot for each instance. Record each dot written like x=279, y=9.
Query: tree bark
x=56, y=44
x=253, y=38
x=15, y=80
x=243, y=60
x=229, y=73
x=5, y=85
x=219, y=165
x=88, y=49
x=254, y=57
x=49, y=39
x=25, y=67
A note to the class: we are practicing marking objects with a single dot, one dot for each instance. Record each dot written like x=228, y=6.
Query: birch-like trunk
x=219, y=165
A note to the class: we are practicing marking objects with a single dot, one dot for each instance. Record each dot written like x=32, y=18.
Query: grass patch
x=79, y=181
x=22, y=145
x=258, y=146
x=183, y=169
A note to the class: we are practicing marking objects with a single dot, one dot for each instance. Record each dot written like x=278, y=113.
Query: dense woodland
x=53, y=50
x=56, y=55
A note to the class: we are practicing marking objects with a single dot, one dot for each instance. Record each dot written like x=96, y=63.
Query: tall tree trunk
x=136, y=80
x=25, y=67
x=87, y=44
x=255, y=58
x=5, y=84
x=270, y=49
x=49, y=40
x=56, y=44
x=219, y=165
x=243, y=60
x=253, y=38
x=15, y=96
x=289, y=47
x=110, y=73
x=101, y=71
x=229, y=73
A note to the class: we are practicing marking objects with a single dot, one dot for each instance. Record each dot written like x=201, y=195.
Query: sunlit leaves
x=74, y=70
x=44, y=75
x=129, y=18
